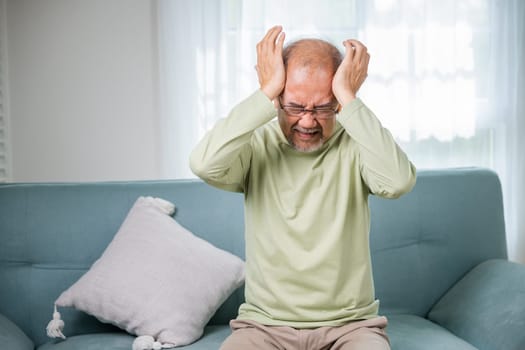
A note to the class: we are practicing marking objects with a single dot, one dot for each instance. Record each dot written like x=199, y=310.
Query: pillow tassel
x=147, y=342
x=55, y=326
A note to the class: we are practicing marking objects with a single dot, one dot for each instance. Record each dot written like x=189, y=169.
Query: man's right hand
x=270, y=66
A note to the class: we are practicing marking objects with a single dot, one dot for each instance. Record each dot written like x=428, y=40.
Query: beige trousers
x=363, y=335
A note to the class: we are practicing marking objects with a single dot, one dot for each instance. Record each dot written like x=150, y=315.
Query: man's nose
x=308, y=120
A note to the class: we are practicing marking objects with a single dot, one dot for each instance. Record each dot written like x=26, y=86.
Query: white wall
x=83, y=90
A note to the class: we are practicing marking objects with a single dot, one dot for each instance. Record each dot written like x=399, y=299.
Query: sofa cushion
x=409, y=332
x=156, y=278
x=12, y=337
x=113, y=341
x=487, y=306
x=211, y=339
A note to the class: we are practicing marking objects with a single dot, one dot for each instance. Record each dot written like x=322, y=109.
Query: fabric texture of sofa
x=439, y=257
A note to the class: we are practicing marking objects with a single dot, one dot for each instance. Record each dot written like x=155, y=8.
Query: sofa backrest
x=421, y=243
x=425, y=241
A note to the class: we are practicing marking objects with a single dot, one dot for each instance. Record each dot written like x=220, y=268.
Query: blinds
x=4, y=144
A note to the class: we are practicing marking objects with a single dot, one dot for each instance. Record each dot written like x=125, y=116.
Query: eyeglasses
x=321, y=112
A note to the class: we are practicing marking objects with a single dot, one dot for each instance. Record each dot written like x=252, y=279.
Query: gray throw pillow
x=155, y=278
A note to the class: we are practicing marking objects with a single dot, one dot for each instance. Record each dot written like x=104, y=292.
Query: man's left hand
x=351, y=73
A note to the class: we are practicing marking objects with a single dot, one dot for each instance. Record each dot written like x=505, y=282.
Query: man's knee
x=364, y=338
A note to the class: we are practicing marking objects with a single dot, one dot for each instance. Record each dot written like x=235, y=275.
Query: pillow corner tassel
x=55, y=326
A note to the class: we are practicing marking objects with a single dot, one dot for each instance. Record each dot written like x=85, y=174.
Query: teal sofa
x=439, y=257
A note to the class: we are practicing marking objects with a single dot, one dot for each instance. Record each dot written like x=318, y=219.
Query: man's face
x=309, y=88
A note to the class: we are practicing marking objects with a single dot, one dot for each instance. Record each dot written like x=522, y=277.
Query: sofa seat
x=212, y=339
x=410, y=332
x=93, y=341
x=407, y=332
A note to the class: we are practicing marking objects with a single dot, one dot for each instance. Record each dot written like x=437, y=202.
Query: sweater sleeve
x=384, y=166
x=222, y=158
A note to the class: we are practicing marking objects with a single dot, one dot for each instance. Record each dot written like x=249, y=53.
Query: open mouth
x=306, y=134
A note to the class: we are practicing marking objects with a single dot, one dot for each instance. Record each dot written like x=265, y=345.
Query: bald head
x=312, y=53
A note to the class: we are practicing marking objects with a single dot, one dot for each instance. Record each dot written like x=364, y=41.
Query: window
x=445, y=77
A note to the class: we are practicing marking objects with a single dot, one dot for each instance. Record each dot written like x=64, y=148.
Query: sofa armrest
x=487, y=306
x=12, y=337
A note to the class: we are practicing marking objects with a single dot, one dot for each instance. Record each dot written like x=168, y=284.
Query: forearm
x=222, y=157
x=384, y=166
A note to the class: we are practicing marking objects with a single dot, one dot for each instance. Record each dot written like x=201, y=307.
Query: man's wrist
x=270, y=93
x=345, y=98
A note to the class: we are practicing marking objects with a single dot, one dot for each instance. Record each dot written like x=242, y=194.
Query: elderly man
x=306, y=178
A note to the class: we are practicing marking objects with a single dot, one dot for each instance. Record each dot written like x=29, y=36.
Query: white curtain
x=446, y=77
x=506, y=68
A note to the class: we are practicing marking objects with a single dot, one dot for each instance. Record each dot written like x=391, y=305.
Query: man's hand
x=351, y=73
x=270, y=66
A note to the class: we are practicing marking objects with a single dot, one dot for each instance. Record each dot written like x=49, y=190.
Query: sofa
x=439, y=258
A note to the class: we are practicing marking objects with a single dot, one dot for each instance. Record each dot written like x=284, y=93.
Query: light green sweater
x=306, y=214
